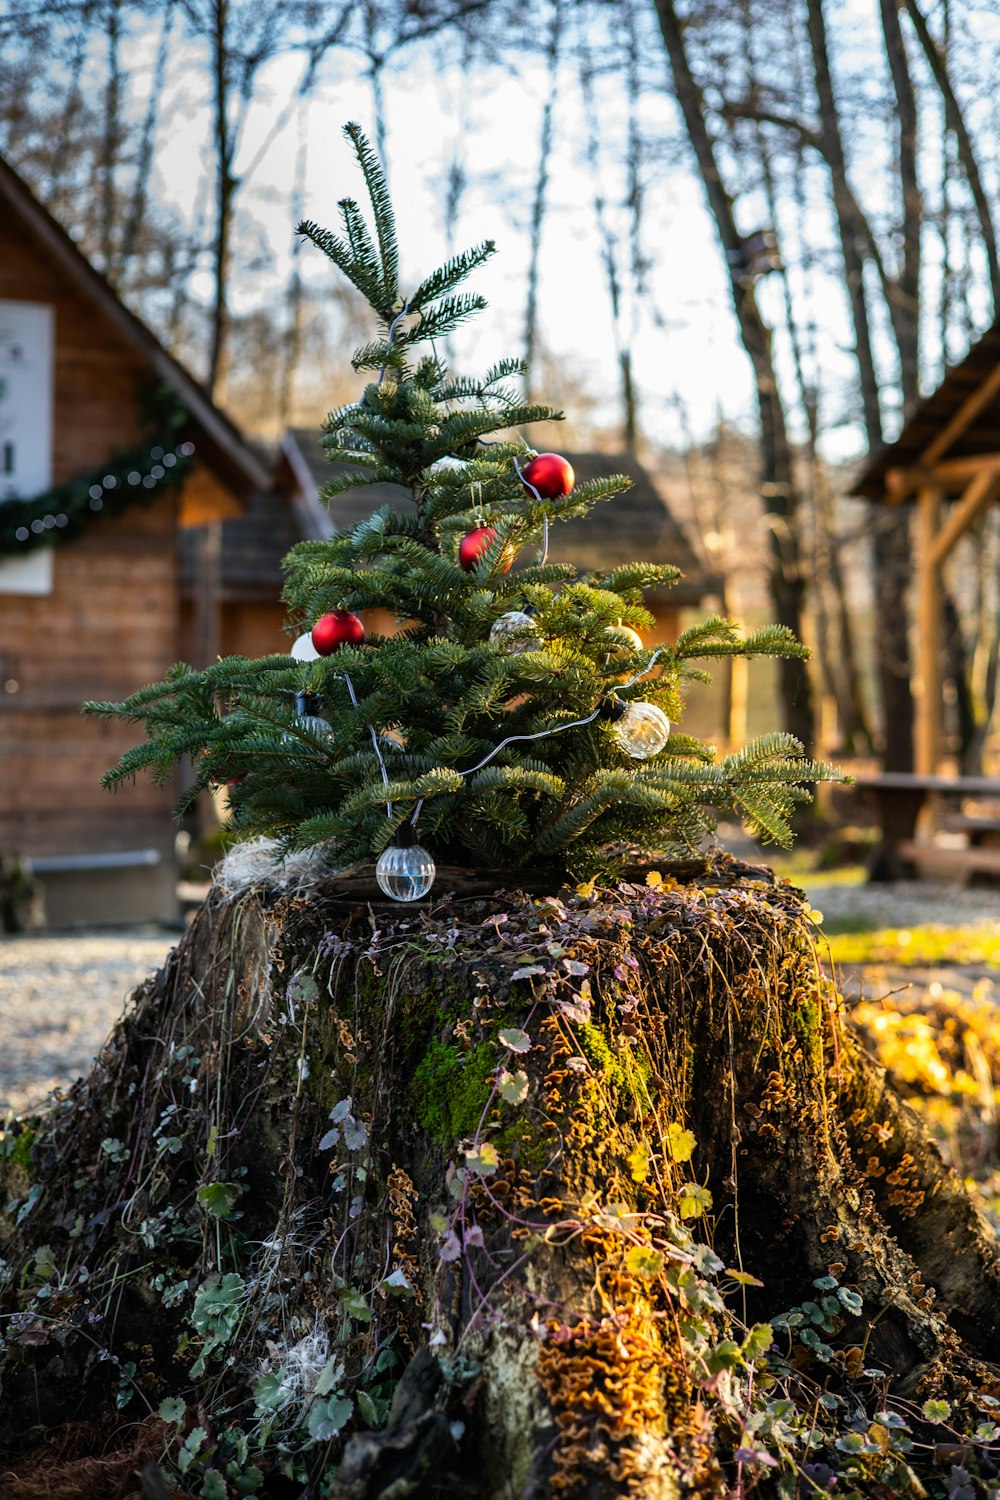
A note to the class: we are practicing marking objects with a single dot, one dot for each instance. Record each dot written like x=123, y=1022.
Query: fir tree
x=500, y=750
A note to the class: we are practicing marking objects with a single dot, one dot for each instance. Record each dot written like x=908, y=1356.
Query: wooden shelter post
x=929, y=632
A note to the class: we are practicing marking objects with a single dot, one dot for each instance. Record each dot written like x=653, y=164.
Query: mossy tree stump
x=583, y=1195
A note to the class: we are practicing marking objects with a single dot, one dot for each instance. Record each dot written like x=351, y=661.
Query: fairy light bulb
x=516, y=632
x=309, y=716
x=405, y=871
x=641, y=729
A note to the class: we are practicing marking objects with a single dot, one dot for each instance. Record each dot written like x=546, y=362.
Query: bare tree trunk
x=781, y=501
x=955, y=121
x=890, y=530
x=111, y=140
x=140, y=194
x=551, y=55
x=225, y=192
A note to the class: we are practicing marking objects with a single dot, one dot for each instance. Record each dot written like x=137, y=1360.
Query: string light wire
x=544, y=734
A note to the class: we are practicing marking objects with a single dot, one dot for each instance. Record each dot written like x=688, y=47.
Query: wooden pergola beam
x=950, y=474
x=966, y=413
x=980, y=494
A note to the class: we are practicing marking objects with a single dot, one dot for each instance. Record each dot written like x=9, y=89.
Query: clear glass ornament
x=516, y=632
x=405, y=872
x=624, y=638
x=643, y=730
x=303, y=649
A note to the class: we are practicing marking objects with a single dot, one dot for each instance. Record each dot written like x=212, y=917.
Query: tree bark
x=533, y=1098
x=786, y=578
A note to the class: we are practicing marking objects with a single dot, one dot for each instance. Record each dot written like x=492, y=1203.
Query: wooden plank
x=980, y=494
x=929, y=632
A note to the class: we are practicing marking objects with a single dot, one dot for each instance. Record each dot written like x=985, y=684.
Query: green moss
x=628, y=1071
x=450, y=1089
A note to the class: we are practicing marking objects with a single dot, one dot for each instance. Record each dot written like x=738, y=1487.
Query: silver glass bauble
x=516, y=632
x=405, y=872
x=643, y=730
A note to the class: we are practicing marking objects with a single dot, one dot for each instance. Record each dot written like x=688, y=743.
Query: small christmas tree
x=516, y=719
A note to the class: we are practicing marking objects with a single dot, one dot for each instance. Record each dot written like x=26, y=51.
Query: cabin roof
x=977, y=376
x=634, y=525
x=221, y=442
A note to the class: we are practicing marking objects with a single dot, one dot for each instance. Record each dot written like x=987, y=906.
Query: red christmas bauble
x=550, y=474
x=332, y=631
x=475, y=543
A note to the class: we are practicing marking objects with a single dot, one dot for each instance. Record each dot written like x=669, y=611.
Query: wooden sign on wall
x=26, y=384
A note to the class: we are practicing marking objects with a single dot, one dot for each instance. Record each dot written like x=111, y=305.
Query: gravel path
x=59, y=998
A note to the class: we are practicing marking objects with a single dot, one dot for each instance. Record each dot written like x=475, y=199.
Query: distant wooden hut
x=634, y=525
x=87, y=469
x=946, y=462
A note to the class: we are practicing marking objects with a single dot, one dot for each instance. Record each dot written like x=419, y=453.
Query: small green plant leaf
x=695, y=1200
x=485, y=1160
x=643, y=1260
x=219, y=1198
x=680, y=1142
x=327, y=1418
x=172, y=1409
x=936, y=1411
x=517, y=1041
x=513, y=1086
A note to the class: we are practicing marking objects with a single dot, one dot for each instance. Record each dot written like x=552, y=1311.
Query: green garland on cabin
x=135, y=476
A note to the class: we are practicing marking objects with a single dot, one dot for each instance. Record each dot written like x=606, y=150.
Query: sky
x=695, y=355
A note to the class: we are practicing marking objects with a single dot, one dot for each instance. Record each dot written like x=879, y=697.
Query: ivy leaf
x=355, y=1134
x=638, y=1163
x=219, y=1198
x=695, y=1200
x=268, y=1393
x=341, y=1110
x=369, y=1409
x=355, y=1305
x=326, y=1418
x=758, y=1341
x=513, y=1086
x=451, y=1249
x=680, y=1142
x=643, y=1260
x=744, y=1278
x=193, y=1443
x=517, y=1041
x=485, y=1160
x=851, y=1301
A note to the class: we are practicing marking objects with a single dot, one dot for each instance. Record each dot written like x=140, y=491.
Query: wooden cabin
x=946, y=465
x=636, y=524
x=105, y=606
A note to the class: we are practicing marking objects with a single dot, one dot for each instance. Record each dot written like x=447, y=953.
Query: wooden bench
x=899, y=797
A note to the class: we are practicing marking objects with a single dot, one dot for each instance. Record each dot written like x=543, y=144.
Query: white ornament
x=516, y=631
x=643, y=730
x=405, y=872
x=304, y=650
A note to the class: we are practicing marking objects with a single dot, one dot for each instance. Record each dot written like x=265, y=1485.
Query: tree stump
x=591, y=1194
